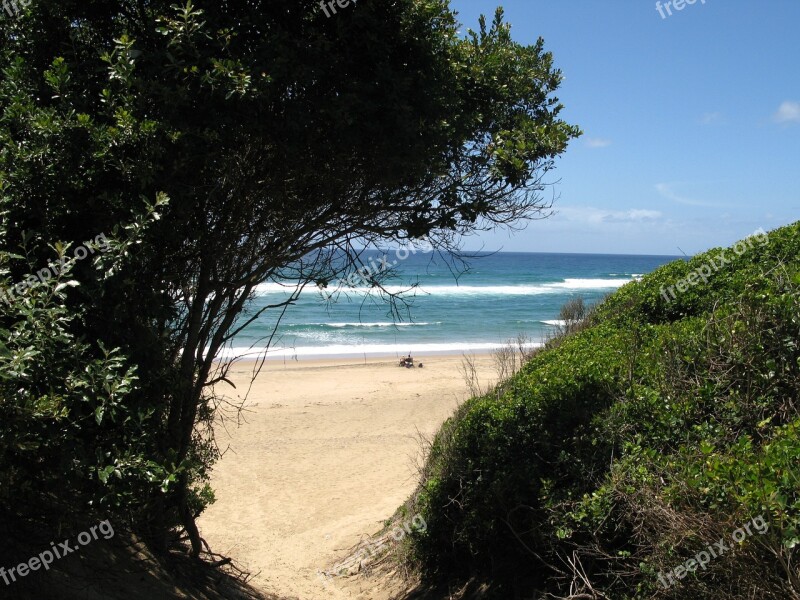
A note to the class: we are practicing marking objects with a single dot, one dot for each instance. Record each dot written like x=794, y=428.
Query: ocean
x=502, y=295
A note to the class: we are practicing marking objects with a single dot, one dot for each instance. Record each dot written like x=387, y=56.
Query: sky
x=691, y=122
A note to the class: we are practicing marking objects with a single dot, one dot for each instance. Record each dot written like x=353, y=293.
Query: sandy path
x=328, y=452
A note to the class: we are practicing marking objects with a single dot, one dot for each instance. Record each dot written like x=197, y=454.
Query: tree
x=283, y=138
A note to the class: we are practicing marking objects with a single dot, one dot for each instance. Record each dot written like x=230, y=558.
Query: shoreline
x=281, y=364
x=306, y=354
x=344, y=360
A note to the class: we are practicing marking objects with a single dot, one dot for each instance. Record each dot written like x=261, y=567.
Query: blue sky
x=691, y=122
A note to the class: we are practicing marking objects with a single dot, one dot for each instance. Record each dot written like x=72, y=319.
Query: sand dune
x=327, y=452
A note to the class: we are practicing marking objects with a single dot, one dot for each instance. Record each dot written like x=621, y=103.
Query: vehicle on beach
x=408, y=362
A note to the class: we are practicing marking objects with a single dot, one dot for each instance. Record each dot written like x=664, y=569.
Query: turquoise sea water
x=501, y=296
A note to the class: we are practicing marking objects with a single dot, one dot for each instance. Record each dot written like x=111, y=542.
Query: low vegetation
x=650, y=430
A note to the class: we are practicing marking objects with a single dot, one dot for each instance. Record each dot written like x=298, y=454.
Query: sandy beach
x=326, y=451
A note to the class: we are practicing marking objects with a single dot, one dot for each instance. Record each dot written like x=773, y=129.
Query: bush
x=72, y=440
x=618, y=453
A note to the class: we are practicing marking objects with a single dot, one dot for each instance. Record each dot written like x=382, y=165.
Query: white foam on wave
x=343, y=350
x=588, y=284
x=380, y=324
x=555, y=322
x=462, y=290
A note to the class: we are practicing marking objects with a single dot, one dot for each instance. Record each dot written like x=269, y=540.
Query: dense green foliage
x=271, y=139
x=59, y=389
x=622, y=450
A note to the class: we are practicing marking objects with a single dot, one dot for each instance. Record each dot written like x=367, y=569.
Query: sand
x=327, y=452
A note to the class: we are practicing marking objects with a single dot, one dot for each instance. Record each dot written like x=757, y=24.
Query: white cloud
x=638, y=214
x=597, y=142
x=591, y=214
x=788, y=112
x=665, y=189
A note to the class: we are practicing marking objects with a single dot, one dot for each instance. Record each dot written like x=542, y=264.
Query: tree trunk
x=187, y=518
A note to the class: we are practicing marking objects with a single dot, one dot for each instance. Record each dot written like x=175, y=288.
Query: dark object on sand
x=407, y=362
x=420, y=365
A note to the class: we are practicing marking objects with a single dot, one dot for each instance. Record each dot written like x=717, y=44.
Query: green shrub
x=73, y=439
x=624, y=449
